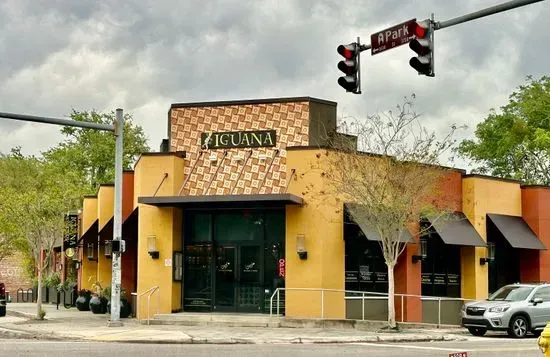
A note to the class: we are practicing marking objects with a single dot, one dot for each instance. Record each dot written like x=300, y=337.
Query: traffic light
x=423, y=45
x=351, y=67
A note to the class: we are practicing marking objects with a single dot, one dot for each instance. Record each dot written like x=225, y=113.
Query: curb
x=293, y=340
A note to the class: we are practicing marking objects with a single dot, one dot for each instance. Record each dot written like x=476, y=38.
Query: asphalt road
x=479, y=347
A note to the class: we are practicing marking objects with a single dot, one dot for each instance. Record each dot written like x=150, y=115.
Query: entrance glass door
x=226, y=278
x=238, y=278
x=250, y=282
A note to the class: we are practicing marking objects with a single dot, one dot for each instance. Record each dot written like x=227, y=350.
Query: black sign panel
x=238, y=139
x=71, y=231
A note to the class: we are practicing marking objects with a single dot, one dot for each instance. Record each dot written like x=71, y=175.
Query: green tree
x=88, y=155
x=515, y=143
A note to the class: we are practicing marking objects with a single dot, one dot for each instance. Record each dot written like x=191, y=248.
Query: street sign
x=458, y=354
x=392, y=37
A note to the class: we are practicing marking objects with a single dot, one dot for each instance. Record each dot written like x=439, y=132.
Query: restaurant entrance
x=232, y=259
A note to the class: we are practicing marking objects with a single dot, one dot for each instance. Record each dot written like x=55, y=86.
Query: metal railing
x=363, y=295
x=149, y=291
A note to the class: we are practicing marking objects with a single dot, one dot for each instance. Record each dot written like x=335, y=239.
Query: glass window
x=238, y=226
x=543, y=293
x=199, y=227
x=441, y=268
x=511, y=293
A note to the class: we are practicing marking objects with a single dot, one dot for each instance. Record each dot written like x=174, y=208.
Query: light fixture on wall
x=490, y=254
x=90, y=251
x=108, y=249
x=213, y=157
x=422, y=250
x=152, y=246
x=238, y=157
x=301, y=246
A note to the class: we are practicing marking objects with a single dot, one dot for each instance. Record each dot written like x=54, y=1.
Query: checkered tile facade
x=253, y=174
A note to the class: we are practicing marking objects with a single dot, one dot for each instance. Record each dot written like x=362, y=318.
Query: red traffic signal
x=350, y=67
x=422, y=45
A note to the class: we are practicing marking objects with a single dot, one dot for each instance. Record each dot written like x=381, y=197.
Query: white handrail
x=151, y=291
x=378, y=295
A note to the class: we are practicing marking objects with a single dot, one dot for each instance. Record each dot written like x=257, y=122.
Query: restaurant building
x=221, y=217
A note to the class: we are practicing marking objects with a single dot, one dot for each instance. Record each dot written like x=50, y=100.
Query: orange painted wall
x=127, y=194
x=447, y=195
x=535, y=265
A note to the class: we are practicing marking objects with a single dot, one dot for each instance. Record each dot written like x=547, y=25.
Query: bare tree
x=387, y=167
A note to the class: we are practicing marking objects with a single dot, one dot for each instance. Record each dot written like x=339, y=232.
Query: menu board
x=352, y=276
x=439, y=279
x=426, y=278
x=364, y=273
x=453, y=279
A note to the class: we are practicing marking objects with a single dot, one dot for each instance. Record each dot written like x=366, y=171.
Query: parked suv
x=2, y=299
x=516, y=308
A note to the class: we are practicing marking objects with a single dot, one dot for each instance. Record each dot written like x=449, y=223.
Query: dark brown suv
x=2, y=299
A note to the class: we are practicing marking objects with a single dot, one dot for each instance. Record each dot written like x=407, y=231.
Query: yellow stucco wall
x=89, y=212
x=105, y=211
x=88, y=268
x=321, y=221
x=164, y=224
x=482, y=195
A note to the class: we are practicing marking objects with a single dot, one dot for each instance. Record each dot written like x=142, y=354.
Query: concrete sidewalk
x=71, y=324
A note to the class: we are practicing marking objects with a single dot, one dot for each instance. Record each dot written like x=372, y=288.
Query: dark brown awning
x=90, y=232
x=516, y=231
x=218, y=201
x=106, y=233
x=370, y=232
x=457, y=230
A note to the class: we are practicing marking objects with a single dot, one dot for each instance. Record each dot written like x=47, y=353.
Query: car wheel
x=477, y=331
x=518, y=327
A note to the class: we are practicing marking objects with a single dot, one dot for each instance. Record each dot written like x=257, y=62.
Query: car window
x=543, y=293
x=511, y=293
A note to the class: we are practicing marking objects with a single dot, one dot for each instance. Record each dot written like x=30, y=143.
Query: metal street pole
x=117, y=221
x=485, y=12
x=118, y=129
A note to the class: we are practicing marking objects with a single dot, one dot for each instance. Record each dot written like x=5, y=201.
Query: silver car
x=516, y=308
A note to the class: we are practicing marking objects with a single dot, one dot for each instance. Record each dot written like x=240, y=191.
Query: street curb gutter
x=296, y=340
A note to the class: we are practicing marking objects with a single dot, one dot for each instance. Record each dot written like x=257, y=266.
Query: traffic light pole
x=485, y=12
x=117, y=129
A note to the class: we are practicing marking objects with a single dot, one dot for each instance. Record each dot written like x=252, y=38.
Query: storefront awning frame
x=371, y=234
x=456, y=229
x=223, y=201
x=516, y=231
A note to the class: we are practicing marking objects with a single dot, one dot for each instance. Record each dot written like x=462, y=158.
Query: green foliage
x=36, y=192
x=88, y=155
x=515, y=143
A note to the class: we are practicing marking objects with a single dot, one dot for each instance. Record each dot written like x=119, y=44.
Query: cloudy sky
x=60, y=55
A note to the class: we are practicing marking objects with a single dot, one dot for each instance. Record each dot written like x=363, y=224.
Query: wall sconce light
x=108, y=249
x=77, y=264
x=422, y=250
x=91, y=251
x=490, y=254
x=238, y=158
x=152, y=246
x=262, y=156
x=213, y=157
x=301, y=246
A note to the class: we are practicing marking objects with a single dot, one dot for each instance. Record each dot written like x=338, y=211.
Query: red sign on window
x=282, y=268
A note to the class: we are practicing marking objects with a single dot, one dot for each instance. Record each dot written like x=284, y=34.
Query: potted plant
x=83, y=300
x=125, y=307
x=98, y=302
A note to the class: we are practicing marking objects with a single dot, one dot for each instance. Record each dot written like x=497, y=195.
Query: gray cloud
x=56, y=56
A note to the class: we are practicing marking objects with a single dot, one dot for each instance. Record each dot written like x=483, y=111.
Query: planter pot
x=98, y=305
x=83, y=302
x=125, y=308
